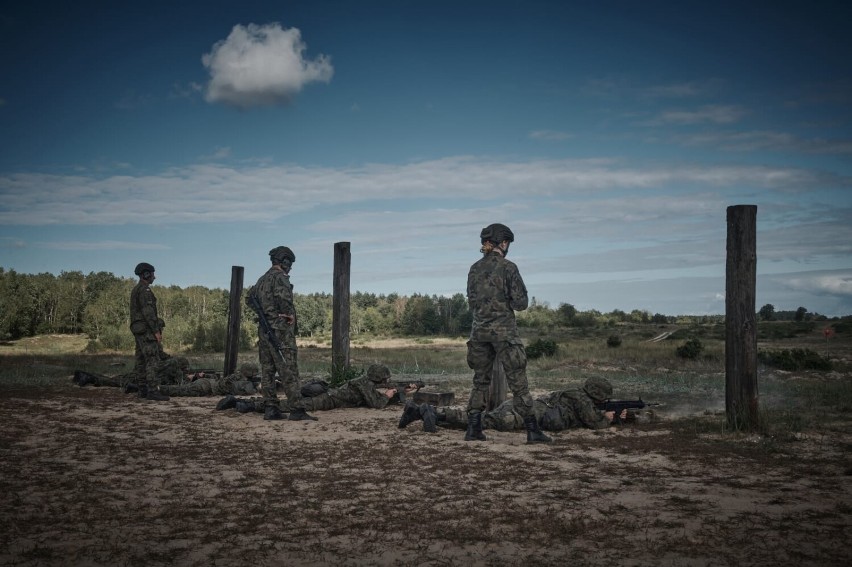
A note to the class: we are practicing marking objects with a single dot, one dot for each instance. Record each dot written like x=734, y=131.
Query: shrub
x=541, y=347
x=613, y=341
x=794, y=359
x=690, y=349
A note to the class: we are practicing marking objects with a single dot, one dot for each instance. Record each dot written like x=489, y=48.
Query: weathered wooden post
x=499, y=386
x=741, y=397
x=340, y=310
x=232, y=341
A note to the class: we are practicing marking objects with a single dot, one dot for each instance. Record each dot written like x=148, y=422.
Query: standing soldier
x=147, y=329
x=275, y=295
x=494, y=291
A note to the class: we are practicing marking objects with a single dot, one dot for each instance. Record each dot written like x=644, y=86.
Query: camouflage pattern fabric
x=275, y=294
x=495, y=290
x=555, y=411
x=358, y=392
x=234, y=385
x=144, y=323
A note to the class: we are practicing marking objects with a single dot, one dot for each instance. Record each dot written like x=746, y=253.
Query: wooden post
x=741, y=398
x=499, y=386
x=232, y=341
x=340, y=310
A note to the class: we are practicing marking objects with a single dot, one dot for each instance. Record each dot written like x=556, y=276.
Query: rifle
x=617, y=406
x=401, y=385
x=197, y=373
x=279, y=347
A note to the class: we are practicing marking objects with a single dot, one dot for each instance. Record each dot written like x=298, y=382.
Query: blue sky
x=610, y=136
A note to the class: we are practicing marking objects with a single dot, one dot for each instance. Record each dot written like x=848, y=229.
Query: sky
x=610, y=136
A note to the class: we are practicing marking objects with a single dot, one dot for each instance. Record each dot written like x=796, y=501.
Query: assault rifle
x=279, y=347
x=617, y=406
x=433, y=398
x=196, y=373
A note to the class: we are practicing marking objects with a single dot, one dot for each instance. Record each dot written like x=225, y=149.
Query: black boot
x=227, y=402
x=429, y=418
x=409, y=414
x=474, y=427
x=156, y=395
x=534, y=434
x=142, y=391
x=272, y=413
x=299, y=414
x=246, y=406
x=130, y=388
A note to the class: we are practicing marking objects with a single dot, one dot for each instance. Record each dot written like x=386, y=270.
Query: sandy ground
x=92, y=476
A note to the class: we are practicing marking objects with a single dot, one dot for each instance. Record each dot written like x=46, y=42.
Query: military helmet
x=143, y=267
x=277, y=255
x=248, y=369
x=378, y=373
x=599, y=389
x=496, y=233
x=182, y=363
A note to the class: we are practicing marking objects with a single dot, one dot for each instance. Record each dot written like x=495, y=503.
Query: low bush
x=541, y=347
x=794, y=359
x=613, y=341
x=690, y=349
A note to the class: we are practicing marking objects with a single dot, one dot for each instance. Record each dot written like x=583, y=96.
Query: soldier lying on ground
x=178, y=380
x=365, y=391
x=168, y=371
x=555, y=411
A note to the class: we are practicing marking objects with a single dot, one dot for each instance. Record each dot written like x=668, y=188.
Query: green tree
x=767, y=312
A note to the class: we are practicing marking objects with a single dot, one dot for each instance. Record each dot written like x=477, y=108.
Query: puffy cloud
x=261, y=65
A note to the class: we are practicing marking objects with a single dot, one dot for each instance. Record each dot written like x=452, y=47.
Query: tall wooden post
x=741, y=398
x=340, y=310
x=232, y=341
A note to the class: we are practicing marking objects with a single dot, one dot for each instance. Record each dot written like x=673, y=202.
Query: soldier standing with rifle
x=272, y=300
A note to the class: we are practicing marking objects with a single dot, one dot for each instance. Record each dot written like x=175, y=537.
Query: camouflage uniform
x=555, y=411
x=495, y=291
x=144, y=323
x=170, y=371
x=237, y=384
x=275, y=294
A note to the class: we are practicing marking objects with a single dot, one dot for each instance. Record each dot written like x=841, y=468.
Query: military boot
x=156, y=395
x=534, y=434
x=299, y=414
x=227, y=402
x=142, y=391
x=272, y=413
x=474, y=427
x=430, y=418
x=130, y=388
x=410, y=413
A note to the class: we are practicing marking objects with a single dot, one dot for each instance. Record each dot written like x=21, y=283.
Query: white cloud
x=549, y=135
x=714, y=114
x=839, y=284
x=261, y=65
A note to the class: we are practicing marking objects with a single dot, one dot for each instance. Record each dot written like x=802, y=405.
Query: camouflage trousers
x=147, y=358
x=481, y=357
x=502, y=418
x=288, y=372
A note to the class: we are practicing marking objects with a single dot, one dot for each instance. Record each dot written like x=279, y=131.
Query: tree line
x=97, y=304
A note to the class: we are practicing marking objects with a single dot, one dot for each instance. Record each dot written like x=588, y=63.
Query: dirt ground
x=92, y=476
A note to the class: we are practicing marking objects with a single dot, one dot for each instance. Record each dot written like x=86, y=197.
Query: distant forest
x=196, y=317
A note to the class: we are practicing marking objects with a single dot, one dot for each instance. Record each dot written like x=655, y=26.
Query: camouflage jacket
x=143, y=311
x=495, y=291
x=564, y=409
x=275, y=293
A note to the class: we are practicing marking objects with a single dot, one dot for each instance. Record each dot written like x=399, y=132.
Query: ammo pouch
x=314, y=388
x=138, y=327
